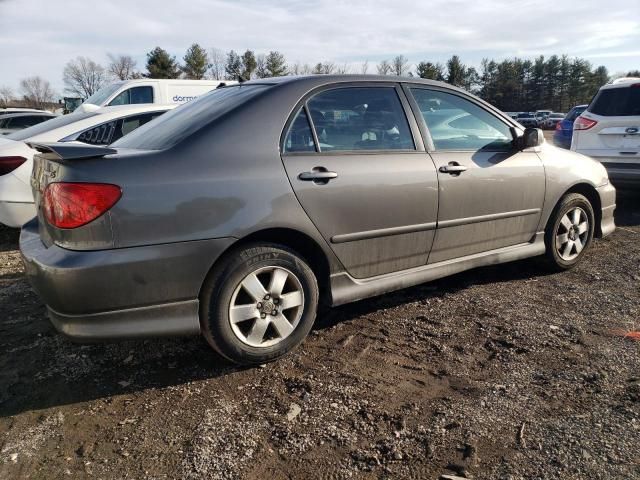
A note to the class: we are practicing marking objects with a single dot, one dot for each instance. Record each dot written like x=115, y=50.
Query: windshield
x=176, y=125
x=56, y=122
x=617, y=102
x=101, y=96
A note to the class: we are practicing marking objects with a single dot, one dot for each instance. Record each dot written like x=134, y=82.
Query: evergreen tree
x=431, y=71
x=196, y=62
x=233, y=68
x=161, y=65
x=249, y=64
x=455, y=71
x=275, y=64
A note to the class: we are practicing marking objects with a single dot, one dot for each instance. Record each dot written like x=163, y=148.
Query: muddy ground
x=505, y=372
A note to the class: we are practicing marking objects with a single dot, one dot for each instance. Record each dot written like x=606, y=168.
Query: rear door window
x=617, y=102
x=299, y=137
x=360, y=118
x=26, y=121
x=459, y=124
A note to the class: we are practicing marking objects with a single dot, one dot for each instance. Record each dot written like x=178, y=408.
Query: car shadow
x=40, y=369
x=8, y=238
x=627, y=208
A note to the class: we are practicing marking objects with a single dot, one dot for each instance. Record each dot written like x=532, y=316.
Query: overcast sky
x=37, y=37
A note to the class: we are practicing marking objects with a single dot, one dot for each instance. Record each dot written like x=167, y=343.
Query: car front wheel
x=259, y=304
x=569, y=232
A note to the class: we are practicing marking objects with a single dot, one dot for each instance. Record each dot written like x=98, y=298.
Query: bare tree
x=122, y=67
x=218, y=61
x=300, y=69
x=261, y=66
x=324, y=68
x=364, y=68
x=400, y=65
x=384, y=67
x=36, y=91
x=6, y=96
x=83, y=77
x=343, y=70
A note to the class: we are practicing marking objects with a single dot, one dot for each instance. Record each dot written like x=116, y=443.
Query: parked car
x=541, y=115
x=234, y=215
x=527, y=120
x=564, y=128
x=553, y=119
x=12, y=122
x=609, y=131
x=101, y=127
x=163, y=92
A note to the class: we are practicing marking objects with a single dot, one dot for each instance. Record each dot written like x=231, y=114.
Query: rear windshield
x=56, y=122
x=617, y=102
x=176, y=125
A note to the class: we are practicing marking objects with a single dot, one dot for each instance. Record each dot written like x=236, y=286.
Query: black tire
x=567, y=204
x=223, y=286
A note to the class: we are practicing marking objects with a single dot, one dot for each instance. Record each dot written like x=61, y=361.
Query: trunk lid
x=54, y=163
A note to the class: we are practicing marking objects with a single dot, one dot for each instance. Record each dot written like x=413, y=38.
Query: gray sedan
x=237, y=214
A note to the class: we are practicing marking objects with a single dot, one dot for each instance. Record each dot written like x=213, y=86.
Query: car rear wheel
x=569, y=232
x=259, y=304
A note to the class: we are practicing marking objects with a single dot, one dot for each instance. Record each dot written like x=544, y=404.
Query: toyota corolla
x=237, y=214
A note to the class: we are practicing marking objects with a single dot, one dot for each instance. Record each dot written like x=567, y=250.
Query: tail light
x=9, y=164
x=583, y=123
x=71, y=205
x=559, y=126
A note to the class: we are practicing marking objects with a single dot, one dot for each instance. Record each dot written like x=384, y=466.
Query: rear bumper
x=120, y=293
x=623, y=175
x=607, y=195
x=623, y=171
x=16, y=214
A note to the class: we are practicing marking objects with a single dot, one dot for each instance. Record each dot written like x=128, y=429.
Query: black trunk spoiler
x=70, y=151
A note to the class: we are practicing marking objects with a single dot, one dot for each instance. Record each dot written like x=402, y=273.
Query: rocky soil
x=505, y=372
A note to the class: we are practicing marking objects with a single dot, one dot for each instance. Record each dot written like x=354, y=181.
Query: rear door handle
x=318, y=175
x=454, y=168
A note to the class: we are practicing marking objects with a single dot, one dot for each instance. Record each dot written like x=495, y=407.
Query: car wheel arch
x=589, y=191
x=299, y=242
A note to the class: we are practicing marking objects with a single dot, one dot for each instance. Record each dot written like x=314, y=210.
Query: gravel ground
x=503, y=372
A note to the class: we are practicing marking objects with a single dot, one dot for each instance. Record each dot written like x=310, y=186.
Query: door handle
x=318, y=175
x=454, y=168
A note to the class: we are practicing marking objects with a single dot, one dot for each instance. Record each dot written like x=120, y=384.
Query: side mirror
x=532, y=137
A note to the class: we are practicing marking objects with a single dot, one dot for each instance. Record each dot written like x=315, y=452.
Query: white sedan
x=100, y=127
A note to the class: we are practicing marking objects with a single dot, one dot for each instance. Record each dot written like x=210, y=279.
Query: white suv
x=609, y=131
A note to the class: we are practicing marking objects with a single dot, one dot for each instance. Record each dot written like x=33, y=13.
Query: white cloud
x=40, y=36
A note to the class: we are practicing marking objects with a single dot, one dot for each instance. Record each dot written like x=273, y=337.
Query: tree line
x=516, y=84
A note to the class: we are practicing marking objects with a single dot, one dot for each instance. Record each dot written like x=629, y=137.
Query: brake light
x=9, y=164
x=583, y=123
x=559, y=126
x=71, y=205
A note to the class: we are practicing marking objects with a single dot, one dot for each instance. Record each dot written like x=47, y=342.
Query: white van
x=148, y=90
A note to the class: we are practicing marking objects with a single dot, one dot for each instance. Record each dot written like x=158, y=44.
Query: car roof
x=29, y=114
x=135, y=108
x=319, y=80
x=621, y=83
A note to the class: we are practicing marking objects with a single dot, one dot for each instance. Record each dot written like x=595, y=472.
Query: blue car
x=564, y=129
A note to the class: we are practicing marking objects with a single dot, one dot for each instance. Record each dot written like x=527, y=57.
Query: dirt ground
x=504, y=372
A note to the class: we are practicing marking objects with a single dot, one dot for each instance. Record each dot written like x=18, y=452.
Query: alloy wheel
x=572, y=234
x=266, y=306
